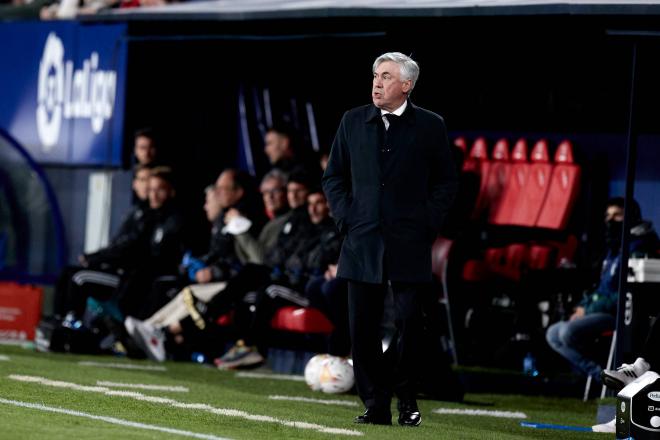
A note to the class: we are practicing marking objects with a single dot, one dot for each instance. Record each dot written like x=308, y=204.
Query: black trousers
x=378, y=375
x=75, y=284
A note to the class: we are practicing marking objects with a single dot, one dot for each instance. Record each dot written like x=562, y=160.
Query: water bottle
x=529, y=365
x=198, y=357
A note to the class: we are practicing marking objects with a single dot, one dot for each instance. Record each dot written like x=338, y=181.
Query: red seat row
x=519, y=191
x=292, y=319
x=512, y=261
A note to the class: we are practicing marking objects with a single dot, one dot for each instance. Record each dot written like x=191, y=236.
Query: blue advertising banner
x=63, y=89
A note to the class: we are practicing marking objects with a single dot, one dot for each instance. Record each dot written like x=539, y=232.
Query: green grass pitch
x=223, y=390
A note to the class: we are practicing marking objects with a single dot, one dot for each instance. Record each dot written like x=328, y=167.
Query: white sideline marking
x=4, y=357
x=154, y=399
x=246, y=375
x=112, y=420
x=142, y=386
x=123, y=366
x=482, y=412
x=309, y=400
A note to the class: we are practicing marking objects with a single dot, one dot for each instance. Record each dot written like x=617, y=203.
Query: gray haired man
x=390, y=181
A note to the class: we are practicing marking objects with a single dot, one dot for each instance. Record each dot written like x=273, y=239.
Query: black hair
x=635, y=210
x=147, y=132
x=302, y=177
x=164, y=173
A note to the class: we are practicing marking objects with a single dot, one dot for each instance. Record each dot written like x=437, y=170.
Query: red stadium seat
x=475, y=270
x=530, y=199
x=478, y=163
x=515, y=185
x=563, y=190
x=539, y=257
x=511, y=260
x=301, y=320
x=439, y=262
x=498, y=176
x=461, y=143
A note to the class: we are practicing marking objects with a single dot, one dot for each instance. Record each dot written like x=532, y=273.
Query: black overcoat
x=389, y=200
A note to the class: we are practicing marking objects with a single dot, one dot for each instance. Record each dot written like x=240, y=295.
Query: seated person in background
x=235, y=194
x=99, y=272
x=144, y=147
x=208, y=272
x=596, y=313
x=264, y=256
x=163, y=238
x=283, y=152
x=278, y=147
x=274, y=195
x=317, y=247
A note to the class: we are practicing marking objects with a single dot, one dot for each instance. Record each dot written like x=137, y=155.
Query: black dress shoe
x=409, y=414
x=373, y=417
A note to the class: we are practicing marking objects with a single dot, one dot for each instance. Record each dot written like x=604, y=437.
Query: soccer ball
x=313, y=371
x=336, y=375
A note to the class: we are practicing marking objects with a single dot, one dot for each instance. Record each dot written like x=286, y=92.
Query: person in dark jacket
x=316, y=247
x=145, y=149
x=390, y=181
x=232, y=210
x=240, y=203
x=99, y=272
x=163, y=242
x=284, y=152
x=596, y=313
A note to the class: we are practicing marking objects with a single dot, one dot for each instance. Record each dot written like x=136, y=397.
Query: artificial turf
x=222, y=389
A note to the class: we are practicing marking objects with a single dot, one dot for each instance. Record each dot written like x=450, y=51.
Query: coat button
x=382, y=184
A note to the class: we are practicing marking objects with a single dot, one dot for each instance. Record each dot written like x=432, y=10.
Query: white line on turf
x=309, y=400
x=123, y=366
x=154, y=399
x=4, y=357
x=482, y=412
x=112, y=420
x=247, y=375
x=142, y=386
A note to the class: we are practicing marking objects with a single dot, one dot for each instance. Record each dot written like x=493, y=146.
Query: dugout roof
x=232, y=10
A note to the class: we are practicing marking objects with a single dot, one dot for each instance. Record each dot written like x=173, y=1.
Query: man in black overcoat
x=390, y=181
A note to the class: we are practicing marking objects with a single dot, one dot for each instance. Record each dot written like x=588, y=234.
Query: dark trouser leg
x=250, y=278
x=365, y=308
x=258, y=331
x=65, y=293
x=134, y=291
x=76, y=284
x=330, y=297
x=404, y=351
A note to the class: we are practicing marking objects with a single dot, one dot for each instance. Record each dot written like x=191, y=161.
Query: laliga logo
x=65, y=93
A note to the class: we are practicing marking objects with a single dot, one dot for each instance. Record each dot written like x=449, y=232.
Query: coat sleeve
x=443, y=183
x=119, y=253
x=337, y=177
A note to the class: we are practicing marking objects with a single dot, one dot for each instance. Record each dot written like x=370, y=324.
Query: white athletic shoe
x=626, y=373
x=129, y=325
x=608, y=428
x=150, y=339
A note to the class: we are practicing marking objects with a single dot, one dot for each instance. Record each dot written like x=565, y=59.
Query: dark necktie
x=388, y=119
